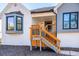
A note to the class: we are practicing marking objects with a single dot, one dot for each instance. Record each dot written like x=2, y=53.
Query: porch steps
x=46, y=37
x=46, y=42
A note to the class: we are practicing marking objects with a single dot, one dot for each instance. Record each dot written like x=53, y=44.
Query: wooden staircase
x=38, y=32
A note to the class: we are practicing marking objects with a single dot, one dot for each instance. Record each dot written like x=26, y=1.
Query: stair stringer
x=46, y=42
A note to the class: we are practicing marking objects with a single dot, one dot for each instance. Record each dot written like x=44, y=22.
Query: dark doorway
x=48, y=25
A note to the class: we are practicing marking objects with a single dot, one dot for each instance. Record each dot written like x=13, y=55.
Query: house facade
x=68, y=24
x=16, y=21
x=59, y=23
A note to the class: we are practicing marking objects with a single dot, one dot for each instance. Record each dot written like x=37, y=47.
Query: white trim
x=43, y=14
x=58, y=5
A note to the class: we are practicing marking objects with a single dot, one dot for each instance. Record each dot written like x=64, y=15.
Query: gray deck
x=25, y=51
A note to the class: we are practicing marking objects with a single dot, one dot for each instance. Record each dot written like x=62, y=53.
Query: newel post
x=58, y=45
x=40, y=41
x=31, y=39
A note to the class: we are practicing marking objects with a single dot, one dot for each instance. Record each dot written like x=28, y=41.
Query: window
x=70, y=20
x=19, y=23
x=14, y=22
x=10, y=23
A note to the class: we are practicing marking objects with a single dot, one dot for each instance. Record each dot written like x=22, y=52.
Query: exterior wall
x=66, y=7
x=17, y=39
x=0, y=28
x=68, y=37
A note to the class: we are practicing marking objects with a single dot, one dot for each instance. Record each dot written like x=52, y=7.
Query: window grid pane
x=66, y=24
x=66, y=17
x=73, y=16
x=19, y=19
x=73, y=24
x=19, y=26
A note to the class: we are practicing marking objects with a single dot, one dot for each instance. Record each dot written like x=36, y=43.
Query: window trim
x=70, y=20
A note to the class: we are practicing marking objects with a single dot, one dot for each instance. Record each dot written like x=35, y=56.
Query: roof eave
x=58, y=5
x=42, y=11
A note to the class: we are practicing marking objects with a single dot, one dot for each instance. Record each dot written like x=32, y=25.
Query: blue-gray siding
x=66, y=7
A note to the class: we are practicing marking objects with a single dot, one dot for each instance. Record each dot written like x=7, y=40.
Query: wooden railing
x=50, y=37
x=39, y=30
x=34, y=30
x=53, y=29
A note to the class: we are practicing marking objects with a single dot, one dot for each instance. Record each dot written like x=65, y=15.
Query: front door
x=48, y=25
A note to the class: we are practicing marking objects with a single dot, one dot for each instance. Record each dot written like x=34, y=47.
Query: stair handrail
x=51, y=35
x=43, y=29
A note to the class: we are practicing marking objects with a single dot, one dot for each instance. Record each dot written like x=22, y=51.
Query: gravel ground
x=25, y=51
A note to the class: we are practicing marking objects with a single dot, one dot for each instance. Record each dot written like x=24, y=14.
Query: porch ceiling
x=43, y=14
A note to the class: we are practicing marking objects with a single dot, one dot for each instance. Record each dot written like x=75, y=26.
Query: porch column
x=31, y=39
x=31, y=46
x=40, y=45
x=54, y=25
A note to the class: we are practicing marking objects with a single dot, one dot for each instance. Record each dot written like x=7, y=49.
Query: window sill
x=14, y=32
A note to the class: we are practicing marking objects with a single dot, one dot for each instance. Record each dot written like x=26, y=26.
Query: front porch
x=43, y=31
x=47, y=20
